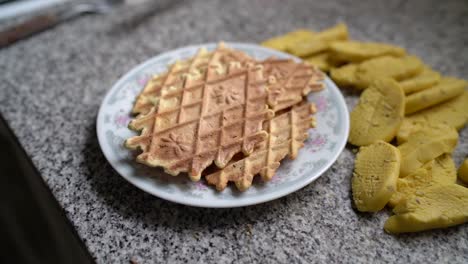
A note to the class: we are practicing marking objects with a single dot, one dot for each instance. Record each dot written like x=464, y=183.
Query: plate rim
x=227, y=203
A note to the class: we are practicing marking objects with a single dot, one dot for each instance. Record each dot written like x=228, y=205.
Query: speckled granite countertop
x=51, y=87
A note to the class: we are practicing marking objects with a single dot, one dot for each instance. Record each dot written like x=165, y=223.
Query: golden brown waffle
x=287, y=133
x=212, y=114
x=289, y=81
x=149, y=98
x=150, y=95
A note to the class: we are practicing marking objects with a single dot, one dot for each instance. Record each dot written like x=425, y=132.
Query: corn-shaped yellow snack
x=463, y=171
x=322, y=61
x=424, y=80
x=452, y=113
x=345, y=76
x=319, y=42
x=407, y=128
x=282, y=42
x=375, y=174
x=338, y=32
x=354, y=51
x=387, y=66
x=437, y=206
x=425, y=145
x=363, y=74
x=306, y=48
x=438, y=171
x=378, y=114
x=447, y=88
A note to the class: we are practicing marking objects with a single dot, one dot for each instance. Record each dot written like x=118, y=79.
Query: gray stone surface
x=51, y=87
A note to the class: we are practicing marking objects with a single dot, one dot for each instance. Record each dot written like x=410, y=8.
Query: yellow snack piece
x=443, y=169
x=407, y=128
x=344, y=76
x=424, y=80
x=375, y=174
x=452, y=113
x=463, y=171
x=321, y=61
x=378, y=114
x=387, y=66
x=354, y=51
x=304, y=48
x=307, y=45
x=282, y=42
x=437, y=206
x=446, y=89
x=425, y=145
x=277, y=43
x=438, y=171
x=338, y=32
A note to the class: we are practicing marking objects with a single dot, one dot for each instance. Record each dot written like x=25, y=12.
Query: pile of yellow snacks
x=405, y=124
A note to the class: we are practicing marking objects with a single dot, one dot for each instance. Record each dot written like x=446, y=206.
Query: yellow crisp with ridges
x=446, y=89
x=425, y=145
x=407, y=128
x=378, y=114
x=437, y=206
x=345, y=76
x=321, y=60
x=282, y=42
x=338, y=32
x=319, y=42
x=452, y=113
x=355, y=51
x=438, y=171
x=375, y=174
x=361, y=75
x=387, y=66
x=463, y=171
x=304, y=48
x=424, y=80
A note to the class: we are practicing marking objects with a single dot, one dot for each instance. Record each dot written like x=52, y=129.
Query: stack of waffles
x=224, y=110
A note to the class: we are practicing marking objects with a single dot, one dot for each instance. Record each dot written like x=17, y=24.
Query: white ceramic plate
x=321, y=149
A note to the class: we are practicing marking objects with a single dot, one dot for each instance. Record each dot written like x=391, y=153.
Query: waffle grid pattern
x=207, y=119
x=287, y=133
